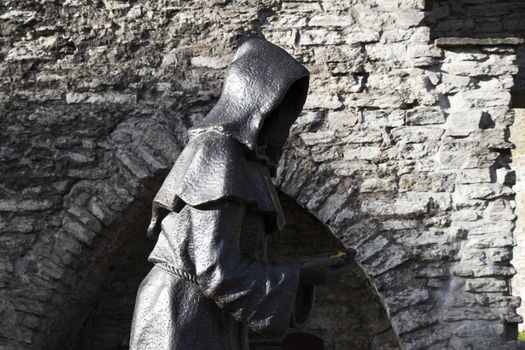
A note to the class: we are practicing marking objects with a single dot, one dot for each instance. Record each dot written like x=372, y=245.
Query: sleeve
x=257, y=293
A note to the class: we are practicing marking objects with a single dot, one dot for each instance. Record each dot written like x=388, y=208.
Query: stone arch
x=387, y=265
x=377, y=125
x=347, y=315
x=100, y=216
x=97, y=218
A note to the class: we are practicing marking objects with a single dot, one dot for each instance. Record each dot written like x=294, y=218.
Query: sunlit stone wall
x=402, y=151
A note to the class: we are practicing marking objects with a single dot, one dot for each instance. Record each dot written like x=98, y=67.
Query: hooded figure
x=211, y=281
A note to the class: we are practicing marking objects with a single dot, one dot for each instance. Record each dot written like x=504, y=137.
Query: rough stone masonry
x=403, y=150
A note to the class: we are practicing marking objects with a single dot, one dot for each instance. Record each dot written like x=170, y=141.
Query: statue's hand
x=323, y=270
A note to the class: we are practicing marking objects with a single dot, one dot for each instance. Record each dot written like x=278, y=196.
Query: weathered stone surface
x=444, y=42
x=486, y=285
x=402, y=150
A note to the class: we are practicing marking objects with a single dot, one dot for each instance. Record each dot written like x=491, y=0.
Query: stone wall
x=402, y=151
x=518, y=163
x=477, y=18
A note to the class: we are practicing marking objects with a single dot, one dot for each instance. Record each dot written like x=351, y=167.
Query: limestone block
x=434, y=272
x=330, y=20
x=390, y=51
x=391, y=257
x=467, y=159
x=472, y=176
x=371, y=247
x=316, y=101
x=469, y=313
x=289, y=21
x=398, y=224
x=425, y=115
x=338, y=54
x=378, y=185
x=16, y=205
x=78, y=230
x=361, y=153
x=361, y=35
x=369, y=136
x=408, y=320
x=304, y=7
x=318, y=137
x=38, y=49
x=152, y=160
x=486, y=285
x=136, y=166
x=500, y=255
x=108, y=97
x=307, y=120
x=211, y=61
x=21, y=224
x=378, y=119
x=401, y=206
x=345, y=168
x=479, y=65
x=483, y=329
x=452, y=83
x=325, y=153
x=397, y=5
x=50, y=269
x=19, y=16
x=342, y=119
x=468, y=215
x=417, y=134
x=101, y=212
x=433, y=182
x=320, y=37
x=332, y=6
x=406, y=298
x=434, y=337
x=480, y=99
x=417, y=50
x=461, y=123
x=484, y=271
x=315, y=193
x=336, y=204
x=12, y=245
x=498, y=300
x=482, y=191
x=418, y=151
x=397, y=80
x=380, y=101
x=86, y=218
x=410, y=18
x=500, y=210
x=490, y=242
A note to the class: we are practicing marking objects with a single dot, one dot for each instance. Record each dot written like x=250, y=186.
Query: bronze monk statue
x=211, y=281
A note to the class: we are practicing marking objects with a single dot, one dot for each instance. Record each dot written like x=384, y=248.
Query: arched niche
x=348, y=315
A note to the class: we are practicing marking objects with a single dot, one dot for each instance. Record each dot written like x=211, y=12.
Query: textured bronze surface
x=212, y=281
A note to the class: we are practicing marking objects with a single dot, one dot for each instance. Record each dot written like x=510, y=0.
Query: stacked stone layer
x=402, y=151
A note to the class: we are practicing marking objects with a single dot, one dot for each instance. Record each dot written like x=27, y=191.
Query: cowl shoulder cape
x=214, y=167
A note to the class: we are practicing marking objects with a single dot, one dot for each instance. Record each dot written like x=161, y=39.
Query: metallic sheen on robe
x=211, y=280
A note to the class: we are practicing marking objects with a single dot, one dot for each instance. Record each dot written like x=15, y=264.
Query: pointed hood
x=262, y=83
x=263, y=93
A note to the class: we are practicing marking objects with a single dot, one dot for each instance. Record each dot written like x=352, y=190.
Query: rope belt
x=188, y=276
